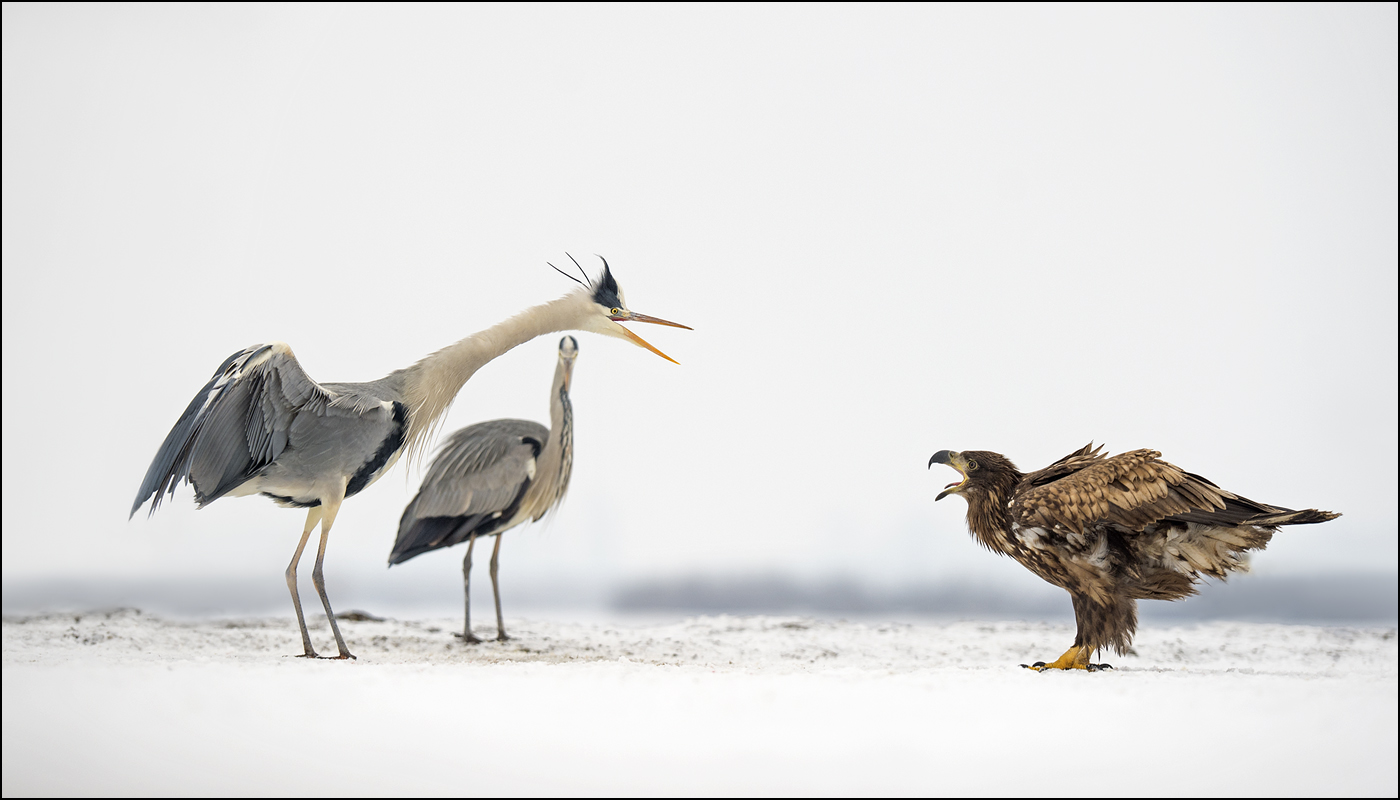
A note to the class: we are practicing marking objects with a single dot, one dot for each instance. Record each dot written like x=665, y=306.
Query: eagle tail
x=1307, y=516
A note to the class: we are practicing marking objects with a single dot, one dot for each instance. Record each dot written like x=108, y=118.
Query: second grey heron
x=261, y=425
x=489, y=478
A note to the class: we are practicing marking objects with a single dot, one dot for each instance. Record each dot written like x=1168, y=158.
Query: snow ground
x=128, y=703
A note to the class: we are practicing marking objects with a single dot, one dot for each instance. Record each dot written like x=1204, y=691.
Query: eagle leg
x=1109, y=620
x=1076, y=657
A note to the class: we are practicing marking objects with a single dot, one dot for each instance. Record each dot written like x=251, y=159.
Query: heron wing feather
x=476, y=482
x=480, y=469
x=235, y=426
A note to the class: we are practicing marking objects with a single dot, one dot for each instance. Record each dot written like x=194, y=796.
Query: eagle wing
x=1131, y=490
x=1079, y=459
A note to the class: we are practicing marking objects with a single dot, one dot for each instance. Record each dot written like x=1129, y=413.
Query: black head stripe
x=605, y=289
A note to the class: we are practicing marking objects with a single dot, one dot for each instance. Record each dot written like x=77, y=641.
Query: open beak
x=954, y=460
x=629, y=316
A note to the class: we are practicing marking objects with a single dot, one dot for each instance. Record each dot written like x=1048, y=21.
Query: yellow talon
x=1073, y=658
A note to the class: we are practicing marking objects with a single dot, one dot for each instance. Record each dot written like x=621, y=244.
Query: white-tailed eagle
x=1112, y=530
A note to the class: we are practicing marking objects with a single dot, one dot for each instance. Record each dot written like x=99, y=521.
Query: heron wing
x=1130, y=490
x=481, y=468
x=475, y=482
x=235, y=426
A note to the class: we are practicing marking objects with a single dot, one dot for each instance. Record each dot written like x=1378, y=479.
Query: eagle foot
x=1041, y=666
x=1074, y=658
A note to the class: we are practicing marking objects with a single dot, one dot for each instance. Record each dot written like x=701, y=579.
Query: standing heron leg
x=313, y=516
x=328, y=519
x=496, y=590
x=467, y=636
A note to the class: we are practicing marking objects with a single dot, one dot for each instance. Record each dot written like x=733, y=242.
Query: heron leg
x=496, y=590
x=327, y=519
x=312, y=517
x=467, y=636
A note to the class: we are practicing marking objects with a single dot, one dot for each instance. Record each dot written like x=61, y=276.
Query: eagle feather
x=1112, y=530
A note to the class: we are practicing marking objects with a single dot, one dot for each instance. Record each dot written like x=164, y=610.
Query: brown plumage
x=1112, y=530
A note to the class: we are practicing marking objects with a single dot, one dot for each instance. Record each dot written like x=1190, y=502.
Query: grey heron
x=261, y=425
x=490, y=477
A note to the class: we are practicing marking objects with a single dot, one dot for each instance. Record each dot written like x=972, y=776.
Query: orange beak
x=629, y=316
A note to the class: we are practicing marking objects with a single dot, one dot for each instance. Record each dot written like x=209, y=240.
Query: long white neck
x=556, y=460
x=430, y=386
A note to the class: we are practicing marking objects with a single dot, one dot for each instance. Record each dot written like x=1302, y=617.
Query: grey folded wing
x=475, y=483
x=235, y=426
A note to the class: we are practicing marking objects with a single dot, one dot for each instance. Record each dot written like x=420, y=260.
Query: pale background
x=894, y=230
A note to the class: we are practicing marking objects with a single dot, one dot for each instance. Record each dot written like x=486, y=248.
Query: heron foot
x=502, y=637
x=344, y=655
x=469, y=638
x=308, y=654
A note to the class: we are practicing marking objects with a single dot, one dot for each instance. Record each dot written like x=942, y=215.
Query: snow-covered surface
x=129, y=703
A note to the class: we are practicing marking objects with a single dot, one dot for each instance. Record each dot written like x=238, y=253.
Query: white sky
x=894, y=230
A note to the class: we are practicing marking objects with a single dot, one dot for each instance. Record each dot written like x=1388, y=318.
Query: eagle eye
x=971, y=465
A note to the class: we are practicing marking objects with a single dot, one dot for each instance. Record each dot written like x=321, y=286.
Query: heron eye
x=971, y=465
x=616, y=311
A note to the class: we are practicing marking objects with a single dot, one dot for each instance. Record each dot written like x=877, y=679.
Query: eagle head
x=981, y=470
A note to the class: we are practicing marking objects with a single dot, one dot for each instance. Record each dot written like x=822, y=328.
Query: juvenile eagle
x=1111, y=530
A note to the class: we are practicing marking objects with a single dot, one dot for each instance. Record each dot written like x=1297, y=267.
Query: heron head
x=609, y=309
x=979, y=470
x=568, y=351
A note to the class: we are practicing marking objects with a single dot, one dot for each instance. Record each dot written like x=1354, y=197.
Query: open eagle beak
x=629, y=316
x=954, y=460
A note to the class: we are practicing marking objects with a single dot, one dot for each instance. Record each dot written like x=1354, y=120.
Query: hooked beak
x=629, y=316
x=954, y=460
x=568, y=374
